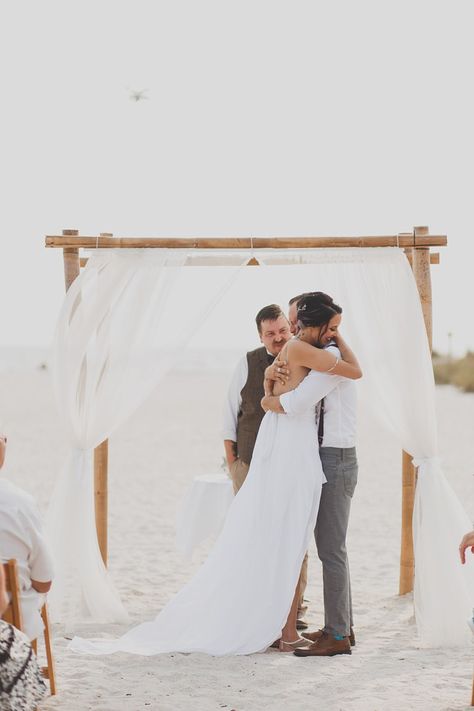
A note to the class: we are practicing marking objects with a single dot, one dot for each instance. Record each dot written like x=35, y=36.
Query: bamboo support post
x=407, y=557
x=71, y=259
x=421, y=270
x=419, y=258
x=101, y=493
x=101, y=459
x=434, y=257
x=72, y=265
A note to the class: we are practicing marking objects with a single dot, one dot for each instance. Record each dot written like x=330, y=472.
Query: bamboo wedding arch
x=417, y=246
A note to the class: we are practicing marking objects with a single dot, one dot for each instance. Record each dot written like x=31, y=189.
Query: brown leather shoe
x=326, y=646
x=314, y=636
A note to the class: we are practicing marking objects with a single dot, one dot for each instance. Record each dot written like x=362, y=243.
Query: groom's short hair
x=268, y=313
x=295, y=299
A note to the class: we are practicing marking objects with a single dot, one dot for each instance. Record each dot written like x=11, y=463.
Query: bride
x=243, y=596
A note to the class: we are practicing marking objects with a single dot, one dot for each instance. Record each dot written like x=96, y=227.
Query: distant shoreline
x=458, y=372
x=455, y=371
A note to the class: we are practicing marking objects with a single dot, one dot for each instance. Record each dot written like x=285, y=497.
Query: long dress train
x=239, y=599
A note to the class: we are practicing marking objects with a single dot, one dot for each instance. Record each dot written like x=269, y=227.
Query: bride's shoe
x=291, y=646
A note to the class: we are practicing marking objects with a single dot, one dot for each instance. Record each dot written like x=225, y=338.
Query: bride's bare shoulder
x=294, y=348
x=287, y=348
x=301, y=351
x=297, y=346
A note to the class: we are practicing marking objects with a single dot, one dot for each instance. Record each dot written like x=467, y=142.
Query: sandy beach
x=153, y=458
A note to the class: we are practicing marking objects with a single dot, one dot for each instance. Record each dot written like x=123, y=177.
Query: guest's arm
x=40, y=559
x=467, y=542
x=3, y=446
x=3, y=592
x=41, y=587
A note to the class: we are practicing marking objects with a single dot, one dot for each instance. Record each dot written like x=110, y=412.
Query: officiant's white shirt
x=340, y=404
x=21, y=537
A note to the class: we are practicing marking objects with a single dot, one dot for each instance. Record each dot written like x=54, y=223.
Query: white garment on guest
x=340, y=404
x=239, y=599
x=233, y=400
x=21, y=537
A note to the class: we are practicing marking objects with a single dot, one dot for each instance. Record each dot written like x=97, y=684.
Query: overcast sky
x=261, y=118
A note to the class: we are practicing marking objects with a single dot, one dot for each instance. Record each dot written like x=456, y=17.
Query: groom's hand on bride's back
x=278, y=371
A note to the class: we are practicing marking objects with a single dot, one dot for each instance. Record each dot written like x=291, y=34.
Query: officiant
x=242, y=410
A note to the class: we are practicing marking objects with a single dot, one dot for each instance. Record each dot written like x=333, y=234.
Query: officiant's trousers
x=340, y=469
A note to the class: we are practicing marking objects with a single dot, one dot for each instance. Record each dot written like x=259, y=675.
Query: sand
x=153, y=458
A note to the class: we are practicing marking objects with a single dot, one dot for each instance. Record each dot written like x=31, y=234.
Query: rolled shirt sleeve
x=40, y=558
x=310, y=391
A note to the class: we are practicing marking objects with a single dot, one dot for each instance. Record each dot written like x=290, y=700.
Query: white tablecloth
x=203, y=511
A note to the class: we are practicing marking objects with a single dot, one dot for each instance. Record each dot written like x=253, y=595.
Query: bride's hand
x=278, y=371
x=339, y=341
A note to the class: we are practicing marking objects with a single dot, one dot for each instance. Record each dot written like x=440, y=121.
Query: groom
x=339, y=462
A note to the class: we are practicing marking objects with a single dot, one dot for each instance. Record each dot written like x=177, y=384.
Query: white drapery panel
x=384, y=323
x=118, y=334
x=110, y=354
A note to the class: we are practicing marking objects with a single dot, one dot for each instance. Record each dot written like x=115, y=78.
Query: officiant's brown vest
x=251, y=413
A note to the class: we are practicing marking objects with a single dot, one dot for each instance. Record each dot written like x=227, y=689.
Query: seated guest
x=21, y=685
x=21, y=537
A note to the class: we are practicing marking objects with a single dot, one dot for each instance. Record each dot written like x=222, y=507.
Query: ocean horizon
x=26, y=358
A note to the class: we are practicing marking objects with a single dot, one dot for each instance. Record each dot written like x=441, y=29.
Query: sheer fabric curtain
x=384, y=323
x=117, y=336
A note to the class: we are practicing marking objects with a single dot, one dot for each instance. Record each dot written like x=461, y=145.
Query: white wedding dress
x=239, y=599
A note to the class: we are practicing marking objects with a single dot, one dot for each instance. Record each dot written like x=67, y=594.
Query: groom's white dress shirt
x=340, y=404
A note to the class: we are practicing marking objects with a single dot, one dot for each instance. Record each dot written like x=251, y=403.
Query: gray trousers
x=340, y=469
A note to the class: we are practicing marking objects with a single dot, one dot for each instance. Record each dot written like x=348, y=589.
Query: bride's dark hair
x=316, y=309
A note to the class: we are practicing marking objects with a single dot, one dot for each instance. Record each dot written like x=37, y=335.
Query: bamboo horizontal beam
x=247, y=243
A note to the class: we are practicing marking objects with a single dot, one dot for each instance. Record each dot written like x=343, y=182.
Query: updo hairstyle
x=316, y=309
